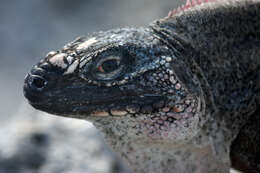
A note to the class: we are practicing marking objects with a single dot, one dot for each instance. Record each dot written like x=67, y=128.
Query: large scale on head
x=122, y=80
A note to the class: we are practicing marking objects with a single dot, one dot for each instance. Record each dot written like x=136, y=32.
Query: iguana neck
x=219, y=47
x=218, y=31
x=220, y=40
x=151, y=157
x=159, y=156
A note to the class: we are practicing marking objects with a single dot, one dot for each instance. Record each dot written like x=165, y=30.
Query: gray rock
x=39, y=143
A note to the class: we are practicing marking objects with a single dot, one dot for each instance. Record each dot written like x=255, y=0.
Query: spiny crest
x=189, y=4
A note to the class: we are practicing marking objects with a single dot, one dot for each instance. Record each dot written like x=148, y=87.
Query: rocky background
x=36, y=142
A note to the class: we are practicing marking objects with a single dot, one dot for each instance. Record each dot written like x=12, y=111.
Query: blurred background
x=36, y=142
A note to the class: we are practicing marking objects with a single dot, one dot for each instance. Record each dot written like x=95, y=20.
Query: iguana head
x=123, y=80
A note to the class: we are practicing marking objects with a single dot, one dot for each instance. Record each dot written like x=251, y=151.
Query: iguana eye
x=109, y=65
x=109, y=68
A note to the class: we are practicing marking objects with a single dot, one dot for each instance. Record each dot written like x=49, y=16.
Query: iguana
x=169, y=97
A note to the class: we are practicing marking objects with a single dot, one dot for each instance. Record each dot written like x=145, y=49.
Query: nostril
x=38, y=82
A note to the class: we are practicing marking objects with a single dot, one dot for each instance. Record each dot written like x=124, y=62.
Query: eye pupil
x=109, y=66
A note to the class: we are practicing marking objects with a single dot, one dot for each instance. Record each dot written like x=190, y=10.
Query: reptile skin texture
x=180, y=95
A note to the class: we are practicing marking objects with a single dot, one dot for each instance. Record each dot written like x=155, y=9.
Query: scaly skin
x=168, y=98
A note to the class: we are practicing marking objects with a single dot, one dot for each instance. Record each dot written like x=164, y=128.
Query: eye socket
x=109, y=65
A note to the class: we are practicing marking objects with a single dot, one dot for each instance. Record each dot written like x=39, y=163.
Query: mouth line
x=110, y=100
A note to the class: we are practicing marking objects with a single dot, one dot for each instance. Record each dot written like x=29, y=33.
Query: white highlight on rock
x=72, y=67
x=87, y=43
x=57, y=60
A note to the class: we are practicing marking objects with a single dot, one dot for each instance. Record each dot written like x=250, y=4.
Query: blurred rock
x=38, y=142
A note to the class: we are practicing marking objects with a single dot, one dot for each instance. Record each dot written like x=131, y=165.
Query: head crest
x=189, y=4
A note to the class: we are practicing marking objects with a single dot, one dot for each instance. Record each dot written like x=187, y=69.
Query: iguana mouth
x=112, y=106
x=80, y=101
